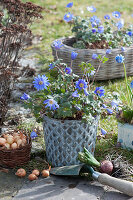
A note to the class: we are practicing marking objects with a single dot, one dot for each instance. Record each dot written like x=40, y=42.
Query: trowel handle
x=124, y=186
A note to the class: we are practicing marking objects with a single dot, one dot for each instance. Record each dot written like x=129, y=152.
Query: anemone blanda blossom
x=99, y=91
x=74, y=55
x=120, y=24
x=95, y=19
x=94, y=30
x=69, y=5
x=122, y=48
x=33, y=135
x=58, y=44
x=68, y=17
x=68, y=70
x=129, y=33
x=119, y=58
x=94, y=56
x=91, y=9
x=25, y=97
x=81, y=84
x=100, y=29
x=107, y=17
x=109, y=111
x=108, y=51
x=41, y=82
x=116, y=14
x=51, y=103
x=75, y=94
x=51, y=66
x=103, y=131
x=131, y=84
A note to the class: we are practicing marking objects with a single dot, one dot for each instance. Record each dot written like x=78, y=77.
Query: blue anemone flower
x=119, y=58
x=33, y=135
x=58, y=44
x=25, y=97
x=51, y=66
x=107, y=17
x=119, y=25
x=103, y=131
x=94, y=56
x=41, y=82
x=68, y=17
x=108, y=51
x=75, y=94
x=131, y=84
x=130, y=33
x=104, y=106
x=81, y=84
x=100, y=29
x=94, y=30
x=110, y=111
x=91, y=9
x=116, y=14
x=122, y=48
x=69, y=5
x=91, y=73
x=51, y=103
x=99, y=91
x=74, y=55
x=114, y=104
x=68, y=70
x=95, y=19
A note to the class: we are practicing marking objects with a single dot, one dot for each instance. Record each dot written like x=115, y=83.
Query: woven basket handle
x=122, y=185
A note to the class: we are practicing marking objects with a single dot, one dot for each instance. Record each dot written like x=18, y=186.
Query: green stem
x=129, y=100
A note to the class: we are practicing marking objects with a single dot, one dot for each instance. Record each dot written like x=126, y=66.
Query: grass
x=53, y=27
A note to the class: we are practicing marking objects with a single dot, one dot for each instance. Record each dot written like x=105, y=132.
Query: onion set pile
x=13, y=140
x=34, y=175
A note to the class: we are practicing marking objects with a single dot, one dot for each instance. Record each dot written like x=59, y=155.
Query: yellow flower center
x=68, y=16
x=51, y=101
x=81, y=85
x=116, y=15
x=98, y=92
x=41, y=82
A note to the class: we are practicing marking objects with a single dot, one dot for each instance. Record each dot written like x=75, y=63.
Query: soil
x=98, y=45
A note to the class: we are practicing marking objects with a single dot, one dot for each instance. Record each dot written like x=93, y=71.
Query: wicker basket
x=15, y=157
x=109, y=70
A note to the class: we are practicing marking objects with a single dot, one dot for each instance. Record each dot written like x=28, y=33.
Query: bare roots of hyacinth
x=15, y=17
x=122, y=168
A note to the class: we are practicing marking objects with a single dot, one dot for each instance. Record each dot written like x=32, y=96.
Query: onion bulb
x=15, y=134
x=16, y=138
x=45, y=173
x=106, y=166
x=36, y=172
x=21, y=172
x=32, y=177
x=14, y=145
x=19, y=142
x=5, y=135
x=24, y=141
x=10, y=139
x=7, y=145
x=2, y=141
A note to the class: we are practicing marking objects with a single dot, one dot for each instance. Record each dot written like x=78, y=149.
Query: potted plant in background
x=92, y=36
x=69, y=107
x=125, y=114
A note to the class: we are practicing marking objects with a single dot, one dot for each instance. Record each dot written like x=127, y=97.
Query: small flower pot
x=110, y=70
x=125, y=135
x=64, y=139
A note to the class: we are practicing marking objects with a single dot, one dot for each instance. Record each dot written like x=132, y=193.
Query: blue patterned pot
x=64, y=139
x=125, y=135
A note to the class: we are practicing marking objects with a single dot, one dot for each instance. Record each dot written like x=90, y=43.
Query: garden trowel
x=74, y=170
